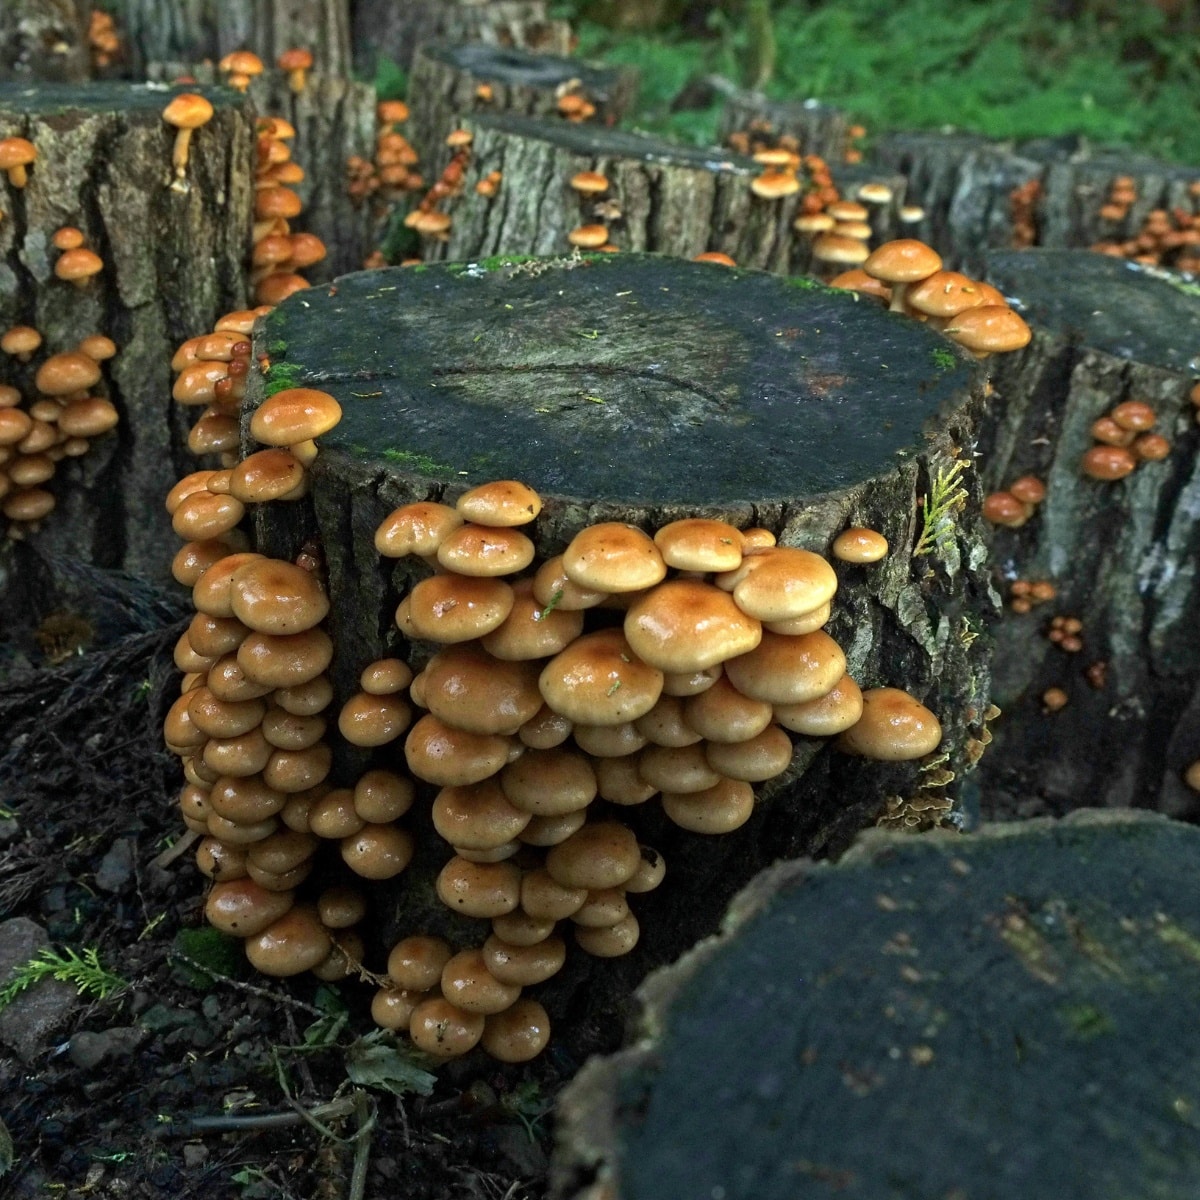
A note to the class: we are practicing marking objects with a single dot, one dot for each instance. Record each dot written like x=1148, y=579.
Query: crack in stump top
x=522, y=68
x=623, y=377
x=1108, y=304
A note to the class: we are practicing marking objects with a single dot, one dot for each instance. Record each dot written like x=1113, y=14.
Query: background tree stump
x=1122, y=555
x=668, y=198
x=820, y=128
x=173, y=263
x=443, y=89
x=640, y=389
x=922, y=1016
x=44, y=40
x=190, y=31
x=383, y=29
x=966, y=184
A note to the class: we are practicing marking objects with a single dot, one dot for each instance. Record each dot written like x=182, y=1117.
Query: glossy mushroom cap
x=894, y=727
x=294, y=415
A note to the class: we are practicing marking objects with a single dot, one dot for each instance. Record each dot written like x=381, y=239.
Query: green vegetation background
x=1117, y=71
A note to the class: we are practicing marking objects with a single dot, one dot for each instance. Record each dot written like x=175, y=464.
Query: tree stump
x=662, y=196
x=1122, y=555
x=820, y=128
x=863, y=1029
x=334, y=118
x=190, y=31
x=393, y=32
x=173, y=263
x=44, y=40
x=969, y=188
x=638, y=389
x=445, y=82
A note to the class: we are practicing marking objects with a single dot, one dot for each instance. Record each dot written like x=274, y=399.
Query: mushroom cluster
x=907, y=275
x=1023, y=203
x=427, y=219
x=1124, y=439
x=1026, y=594
x=1164, y=238
x=104, y=43
x=60, y=420
x=1013, y=506
x=239, y=68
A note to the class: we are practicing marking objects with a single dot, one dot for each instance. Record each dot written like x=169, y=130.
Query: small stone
x=88, y=1049
x=27, y=1023
x=195, y=1154
x=116, y=867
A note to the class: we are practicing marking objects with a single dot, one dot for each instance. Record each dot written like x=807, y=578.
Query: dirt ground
x=191, y=1080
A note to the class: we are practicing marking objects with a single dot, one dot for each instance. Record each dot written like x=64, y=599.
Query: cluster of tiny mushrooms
x=48, y=411
x=674, y=665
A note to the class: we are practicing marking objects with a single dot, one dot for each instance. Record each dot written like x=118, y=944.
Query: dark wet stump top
x=1107, y=303
x=623, y=377
x=521, y=68
x=44, y=100
x=1007, y=1015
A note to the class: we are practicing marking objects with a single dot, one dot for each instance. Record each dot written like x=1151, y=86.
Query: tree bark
x=671, y=199
x=860, y=1029
x=173, y=263
x=606, y=382
x=190, y=31
x=44, y=40
x=445, y=80
x=1122, y=555
x=820, y=128
x=965, y=184
x=393, y=32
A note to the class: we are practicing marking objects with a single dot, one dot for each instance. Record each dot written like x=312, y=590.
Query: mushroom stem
x=179, y=156
x=18, y=176
x=899, y=291
x=297, y=79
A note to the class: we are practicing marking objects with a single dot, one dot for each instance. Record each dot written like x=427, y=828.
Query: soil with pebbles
x=113, y=1099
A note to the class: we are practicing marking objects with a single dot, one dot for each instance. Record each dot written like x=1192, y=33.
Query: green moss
x=420, y=464
x=1086, y=1021
x=211, y=953
x=1180, y=939
x=944, y=359
x=278, y=346
x=281, y=376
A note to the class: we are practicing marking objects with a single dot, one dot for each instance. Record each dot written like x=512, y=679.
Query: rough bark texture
x=965, y=182
x=820, y=128
x=390, y=31
x=334, y=118
x=157, y=31
x=641, y=389
x=1122, y=555
x=672, y=199
x=954, y=1016
x=445, y=78
x=44, y=40
x=173, y=263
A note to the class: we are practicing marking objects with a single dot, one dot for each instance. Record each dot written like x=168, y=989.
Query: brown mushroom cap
x=858, y=545
x=242, y=908
x=486, y=551
x=418, y=528
x=685, y=625
x=603, y=854
x=366, y=720
x=904, y=260
x=501, y=503
x=552, y=588
x=719, y=809
x=545, y=730
x=666, y=725
x=468, y=984
x=211, y=593
x=782, y=582
x=602, y=908
x=724, y=714
x=415, y=962
x=619, y=782
x=479, y=889
x=305, y=699
x=530, y=631
x=276, y=597
x=609, y=741
x=385, y=676
x=334, y=815
x=788, y=670
x=381, y=796
x=340, y=907
x=287, y=731
x=298, y=770
x=223, y=718
x=549, y=783
x=440, y=753
x=650, y=873
x=761, y=758
x=989, y=329
x=550, y=831
x=697, y=544
x=478, y=816
x=520, y=929
x=16, y=152
x=467, y=688
x=518, y=1034
x=613, y=557
x=378, y=851
x=392, y=1008
x=523, y=966
x=598, y=680
x=78, y=266
x=609, y=941
x=543, y=897
x=945, y=294
x=294, y=415
x=21, y=341
x=894, y=727
x=64, y=373
x=266, y=475
x=285, y=660
x=188, y=111
x=677, y=768
x=837, y=710
x=442, y=1030
x=453, y=608
x=294, y=943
